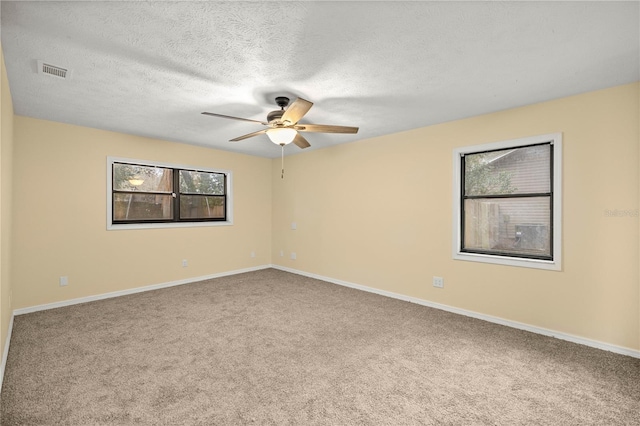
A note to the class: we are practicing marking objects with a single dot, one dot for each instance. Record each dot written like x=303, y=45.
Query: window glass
x=140, y=207
x=519, y=226
x=510, y=171
x=201, y=206
x=192, y=182
x=131, y=177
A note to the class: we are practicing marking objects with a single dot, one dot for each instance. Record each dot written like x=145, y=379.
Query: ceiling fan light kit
x=282, y=135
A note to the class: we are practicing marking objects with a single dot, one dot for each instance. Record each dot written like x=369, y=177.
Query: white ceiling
x=151, y=68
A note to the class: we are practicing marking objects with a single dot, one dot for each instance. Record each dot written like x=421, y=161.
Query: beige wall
x=60, y=221
x=379, y=213
x=6, y=153
x=375, y=212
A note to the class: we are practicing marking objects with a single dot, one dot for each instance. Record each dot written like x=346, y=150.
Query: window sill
x=550, y=265
x=129, y=226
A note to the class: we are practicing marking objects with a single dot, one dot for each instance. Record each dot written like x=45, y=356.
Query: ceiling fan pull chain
x=282, y=175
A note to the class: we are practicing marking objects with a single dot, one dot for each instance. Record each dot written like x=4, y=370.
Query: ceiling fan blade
x=247, y=136
x=325, y=128
x=301, y=141
x=296, y=110
x=233, y=118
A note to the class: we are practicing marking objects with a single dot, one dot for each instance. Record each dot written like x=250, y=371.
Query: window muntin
x=155, y=195
x=507, y=202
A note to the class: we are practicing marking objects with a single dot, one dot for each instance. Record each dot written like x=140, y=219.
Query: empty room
x=320, y=213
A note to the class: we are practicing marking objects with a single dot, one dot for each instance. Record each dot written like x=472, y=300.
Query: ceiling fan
x=283, y=124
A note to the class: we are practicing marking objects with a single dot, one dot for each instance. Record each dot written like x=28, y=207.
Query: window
x=153, y=195
x=507, y=202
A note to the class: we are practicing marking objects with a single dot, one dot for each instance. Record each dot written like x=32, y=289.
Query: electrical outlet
x=438, y=282
x=294, y=226
x=185, y=263
x=281, y=253
x=293, y=256
x=64, y=281
x=253, y=254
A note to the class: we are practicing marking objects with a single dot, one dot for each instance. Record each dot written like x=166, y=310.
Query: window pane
x=133, y=206
x=129, y=177
x=508, y=226
x=510, y=171
x=201, y=207
x=201, y=183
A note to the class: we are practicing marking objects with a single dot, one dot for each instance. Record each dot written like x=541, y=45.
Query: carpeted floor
x=269, y=347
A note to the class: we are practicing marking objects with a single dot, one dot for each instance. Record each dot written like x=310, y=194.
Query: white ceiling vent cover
x=45, y=68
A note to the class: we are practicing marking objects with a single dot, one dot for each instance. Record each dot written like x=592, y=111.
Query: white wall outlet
x=293, y=256
x=438, y=282
x=294, y=226
x=281, y=253
x=64, y=281
x=253, y=254
x=185, y=263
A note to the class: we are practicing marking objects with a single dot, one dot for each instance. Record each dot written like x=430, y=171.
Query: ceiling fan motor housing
x=275, y=115
x=282, y=102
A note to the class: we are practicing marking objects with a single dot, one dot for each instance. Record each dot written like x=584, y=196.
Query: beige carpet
x=274, y=348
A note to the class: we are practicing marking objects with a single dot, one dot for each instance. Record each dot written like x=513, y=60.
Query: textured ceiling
x=151, y=68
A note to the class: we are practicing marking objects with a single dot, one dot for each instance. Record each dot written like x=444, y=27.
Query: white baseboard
x=5, y=352
x=497, y=320
x=102, y=296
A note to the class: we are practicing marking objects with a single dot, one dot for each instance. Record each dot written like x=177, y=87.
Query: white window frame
x=122, y=226
x=555, y=264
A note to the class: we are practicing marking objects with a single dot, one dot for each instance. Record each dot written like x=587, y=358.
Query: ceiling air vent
x=45, y=68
